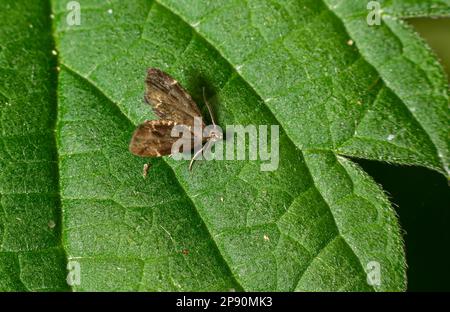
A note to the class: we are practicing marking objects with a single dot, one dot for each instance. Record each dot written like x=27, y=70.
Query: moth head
x=215, y=133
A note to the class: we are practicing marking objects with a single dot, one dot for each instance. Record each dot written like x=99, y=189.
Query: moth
x=174, y=106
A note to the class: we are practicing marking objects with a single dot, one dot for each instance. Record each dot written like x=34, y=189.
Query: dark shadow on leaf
x=422, y=200
x=197, y=83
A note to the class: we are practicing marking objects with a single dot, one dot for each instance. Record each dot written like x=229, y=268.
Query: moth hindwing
x=170, y=102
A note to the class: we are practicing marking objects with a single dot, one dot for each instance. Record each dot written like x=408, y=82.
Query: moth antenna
x=196, y=155
x=193, y=159
x=209, y=108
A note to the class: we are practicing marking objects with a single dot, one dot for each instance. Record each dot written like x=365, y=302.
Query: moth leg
x=198, y=153
x=145, y=170
x=209, y=107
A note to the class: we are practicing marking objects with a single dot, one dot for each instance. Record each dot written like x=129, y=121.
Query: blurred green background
x=421, y=196
x=437, y=33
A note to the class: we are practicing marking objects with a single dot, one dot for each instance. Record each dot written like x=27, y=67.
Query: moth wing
x=153, y=139
x=169, y=99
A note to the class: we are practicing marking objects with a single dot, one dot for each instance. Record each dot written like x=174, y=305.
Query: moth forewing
x=169, y=99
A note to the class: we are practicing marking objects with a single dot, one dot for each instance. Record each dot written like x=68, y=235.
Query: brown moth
x=174, y=106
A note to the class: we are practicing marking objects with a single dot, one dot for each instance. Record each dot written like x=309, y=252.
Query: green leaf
x=336, y=86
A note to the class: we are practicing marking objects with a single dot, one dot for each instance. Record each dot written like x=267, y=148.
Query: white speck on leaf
x=390, y=137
